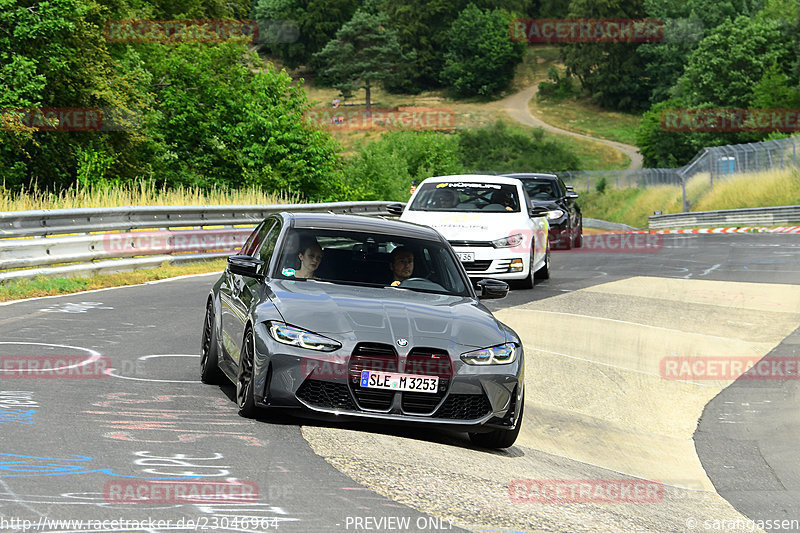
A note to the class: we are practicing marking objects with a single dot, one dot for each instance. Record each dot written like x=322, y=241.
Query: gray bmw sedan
x=356, y=316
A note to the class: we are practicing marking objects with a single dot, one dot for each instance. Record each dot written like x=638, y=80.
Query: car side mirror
x=244, y=265
x=396, y=209
x=492, y=289
x=538, y=211
x=572, y=195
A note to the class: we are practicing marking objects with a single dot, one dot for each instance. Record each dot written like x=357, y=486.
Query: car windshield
x=466, y=196
x=370, y=259
x=540, y=189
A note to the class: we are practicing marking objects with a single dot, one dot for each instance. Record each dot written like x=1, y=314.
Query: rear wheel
x=209, y=361
x=499, y=438
x=244, y=382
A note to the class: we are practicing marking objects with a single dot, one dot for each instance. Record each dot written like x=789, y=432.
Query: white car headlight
x=509, y=242
x=554, y=214
x=294, y=336
x=495, y=355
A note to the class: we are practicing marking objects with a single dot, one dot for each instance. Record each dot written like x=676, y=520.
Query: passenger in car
x=309, y=255
x=504, y=198
x=401, y=263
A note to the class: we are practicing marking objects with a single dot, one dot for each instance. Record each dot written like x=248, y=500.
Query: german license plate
x=466, y=257
x=399, y=382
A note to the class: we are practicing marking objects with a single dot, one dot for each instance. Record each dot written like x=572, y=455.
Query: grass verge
x=633, y=206
x=42, y=286
x=136, y=193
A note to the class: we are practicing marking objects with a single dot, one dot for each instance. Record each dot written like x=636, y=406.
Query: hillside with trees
x=216, y=114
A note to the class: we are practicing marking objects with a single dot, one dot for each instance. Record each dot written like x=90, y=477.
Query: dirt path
x=516, y=106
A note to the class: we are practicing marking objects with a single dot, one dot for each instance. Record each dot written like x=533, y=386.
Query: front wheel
x=544, y=272
x=499, y=438
x=209, y=360
x=579, y=236
x=244, y=382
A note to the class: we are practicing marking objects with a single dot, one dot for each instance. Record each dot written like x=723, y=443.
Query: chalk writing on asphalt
x=14, y=465
x=17, y=407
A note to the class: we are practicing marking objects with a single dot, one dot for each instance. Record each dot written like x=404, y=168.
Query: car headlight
x=294, y=336
x=496, y=355
x=554, y=214
x=509, y=242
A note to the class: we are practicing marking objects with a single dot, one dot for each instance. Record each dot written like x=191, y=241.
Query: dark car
x=341, y=335
x=564, y=214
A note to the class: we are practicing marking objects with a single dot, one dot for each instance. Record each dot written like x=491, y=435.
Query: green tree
x=729, y=62
x=364, y=52
x=223, y=118
x=775, y=90
x=53, y=55
x=480, y=57
x=611, y=72
x=316, y=22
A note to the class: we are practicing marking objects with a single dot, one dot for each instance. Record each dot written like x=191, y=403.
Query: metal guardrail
x=765, y=216
x=93, y=240
x=603, y=224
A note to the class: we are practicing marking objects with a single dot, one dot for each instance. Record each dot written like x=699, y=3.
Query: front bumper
x=470, y=398
x=496, y=263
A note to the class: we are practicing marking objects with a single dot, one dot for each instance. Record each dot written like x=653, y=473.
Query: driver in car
x=401, y=263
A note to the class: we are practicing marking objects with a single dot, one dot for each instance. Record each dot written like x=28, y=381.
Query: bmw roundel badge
x=402, y=342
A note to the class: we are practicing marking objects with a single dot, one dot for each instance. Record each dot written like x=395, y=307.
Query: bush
x=500, y=148
x=384, y=169
x=558, y=88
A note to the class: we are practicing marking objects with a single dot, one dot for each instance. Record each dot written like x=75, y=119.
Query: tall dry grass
x=138, y=194
x=633, y=206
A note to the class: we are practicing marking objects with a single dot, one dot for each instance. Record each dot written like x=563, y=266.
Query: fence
x=92, y=240
x=719, y=162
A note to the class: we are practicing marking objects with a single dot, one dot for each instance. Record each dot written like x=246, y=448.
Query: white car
x=491, y=223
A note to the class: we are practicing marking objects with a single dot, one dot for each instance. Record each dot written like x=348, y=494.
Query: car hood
x=456, y=226
x=550, y=204
x=375, y=314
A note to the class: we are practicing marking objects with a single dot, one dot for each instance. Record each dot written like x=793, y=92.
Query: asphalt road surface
x=124, y=415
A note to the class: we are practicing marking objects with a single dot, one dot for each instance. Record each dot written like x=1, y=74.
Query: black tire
x=499, y=438
x=579, y=237
x=544, y=272
x=568, y=243
x=527, y=282
x=209, y=358
x=244, y=381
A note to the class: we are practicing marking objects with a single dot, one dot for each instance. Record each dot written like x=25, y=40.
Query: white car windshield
x=466, y=196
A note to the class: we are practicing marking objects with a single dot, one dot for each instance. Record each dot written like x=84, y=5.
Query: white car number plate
x=466, y=257
x=399, y=382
